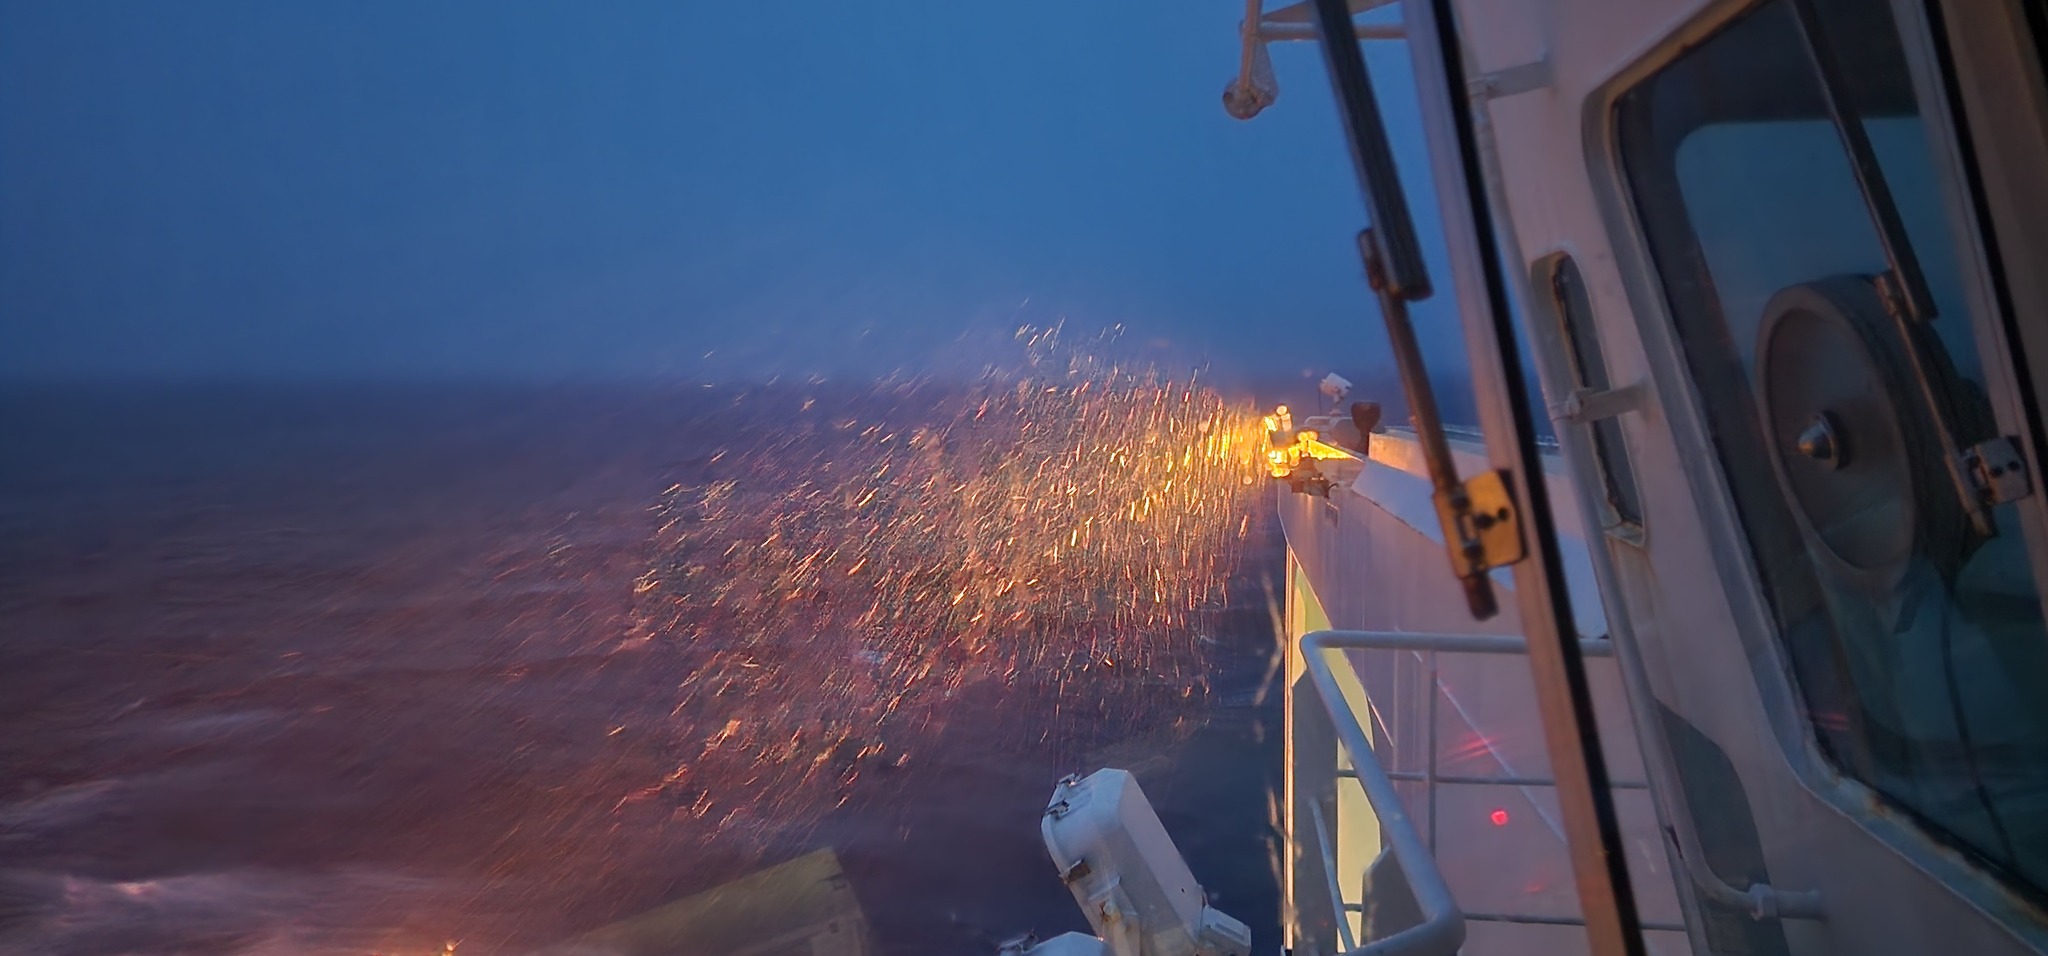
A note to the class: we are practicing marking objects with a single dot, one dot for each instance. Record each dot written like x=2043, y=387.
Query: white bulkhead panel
x=1759, y=790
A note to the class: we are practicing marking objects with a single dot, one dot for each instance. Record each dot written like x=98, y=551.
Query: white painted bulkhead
x=1759, y=793
x=1736, y=756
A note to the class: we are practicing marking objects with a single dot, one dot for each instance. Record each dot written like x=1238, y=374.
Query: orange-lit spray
x=845, y=585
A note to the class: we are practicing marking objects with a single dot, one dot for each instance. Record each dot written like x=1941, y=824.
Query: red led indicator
x=1499, y=818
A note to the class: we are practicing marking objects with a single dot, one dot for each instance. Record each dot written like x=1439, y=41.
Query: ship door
x=1841, y=321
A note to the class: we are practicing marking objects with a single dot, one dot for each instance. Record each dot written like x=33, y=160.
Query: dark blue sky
x=279, y=189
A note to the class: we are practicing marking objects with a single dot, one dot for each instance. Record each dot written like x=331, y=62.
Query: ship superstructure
x=1751, y=659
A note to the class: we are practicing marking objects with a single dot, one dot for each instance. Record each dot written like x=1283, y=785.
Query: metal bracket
x=1525, y=78
x=1586, y=405
x=1271, y=32
x=1059, y=807
x=1482, y=529
x=1313, y=484
x=1997, y=470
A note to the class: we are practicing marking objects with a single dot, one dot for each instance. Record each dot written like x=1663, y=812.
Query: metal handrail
x=1329, y=849
x=1334, y=640
x=1368, y=772
x=1510, y=780
x=1760, y=900
x=1442, y=929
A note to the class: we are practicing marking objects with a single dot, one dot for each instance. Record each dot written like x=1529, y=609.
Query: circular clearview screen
x=1831, y=402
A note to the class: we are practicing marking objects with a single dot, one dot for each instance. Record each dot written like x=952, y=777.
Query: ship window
x=1915, y=638
x=1558, y=276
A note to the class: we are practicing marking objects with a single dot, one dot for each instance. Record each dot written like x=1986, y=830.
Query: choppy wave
x=404, y=681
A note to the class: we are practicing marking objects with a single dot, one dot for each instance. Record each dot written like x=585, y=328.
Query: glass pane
x=1916, y=640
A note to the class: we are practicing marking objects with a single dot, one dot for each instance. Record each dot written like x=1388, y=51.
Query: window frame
x=1968, y=163
x=1741, y=582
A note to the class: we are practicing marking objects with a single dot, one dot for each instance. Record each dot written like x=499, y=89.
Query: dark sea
x=296, y=669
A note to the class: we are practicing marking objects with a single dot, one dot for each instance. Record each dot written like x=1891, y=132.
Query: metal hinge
x=1997, y=471
x=1483, y=529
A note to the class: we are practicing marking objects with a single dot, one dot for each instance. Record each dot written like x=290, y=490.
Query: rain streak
x=843, y=582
